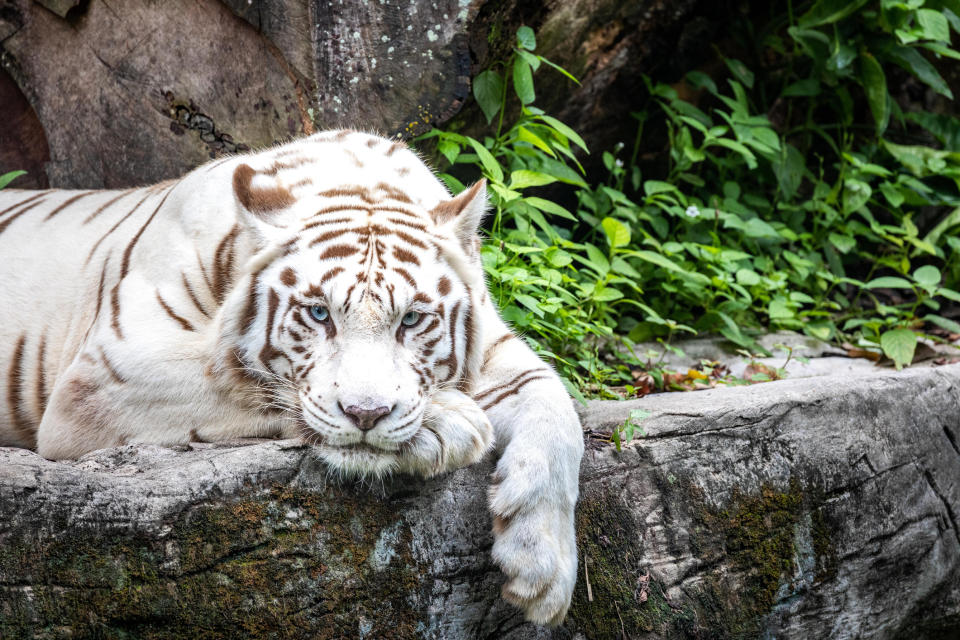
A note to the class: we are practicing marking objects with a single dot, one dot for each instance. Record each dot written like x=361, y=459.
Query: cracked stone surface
x=807, y=508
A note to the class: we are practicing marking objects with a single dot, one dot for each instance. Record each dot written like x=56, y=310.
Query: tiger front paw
x=536, y=549
x=455, y=433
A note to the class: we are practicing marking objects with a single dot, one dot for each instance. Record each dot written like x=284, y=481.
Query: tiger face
x=357, y=313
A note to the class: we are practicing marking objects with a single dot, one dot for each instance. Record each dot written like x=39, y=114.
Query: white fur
x=106, y=300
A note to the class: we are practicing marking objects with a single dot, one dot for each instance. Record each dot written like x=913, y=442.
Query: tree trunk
x=809, y=508
x=134, y=92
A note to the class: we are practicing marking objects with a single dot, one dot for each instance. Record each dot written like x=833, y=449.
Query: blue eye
x=410, y=318
x=319, y=313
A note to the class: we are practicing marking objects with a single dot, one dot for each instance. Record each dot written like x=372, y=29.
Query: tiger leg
x=78, y=417
x=455, y=433
x=536, y=482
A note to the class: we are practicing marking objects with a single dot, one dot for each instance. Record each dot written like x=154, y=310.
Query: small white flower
x=618, y=147
x=618, y=162
x=692, y=211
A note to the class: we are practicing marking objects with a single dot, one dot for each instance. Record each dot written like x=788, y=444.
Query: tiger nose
x=365, y=419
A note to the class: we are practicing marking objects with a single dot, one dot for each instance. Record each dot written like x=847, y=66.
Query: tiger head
x=359, y=306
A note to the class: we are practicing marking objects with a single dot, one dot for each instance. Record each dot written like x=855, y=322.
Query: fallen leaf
x=759, y=372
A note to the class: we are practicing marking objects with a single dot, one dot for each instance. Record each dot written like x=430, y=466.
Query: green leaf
x=598, y=259
x=558, y=68
x=946, y=128
x=9, y=177
x=525, y=135
x=843, y=243
x=526, y=38
x=548, y=206
x=607, y=294
x=523, y=80
x=566, y=131
x=489, y=163
x=875, y=86
x=911, y=60
x=523, y=178
x=856, y=193
x=927, y=275
x=950, y=220
x=651, y=187
x=934, y=25
x=488, y=91
x=740, y=71
x=899, y=345
x=803, y=88
x=617, y=232
x=944, y=323
x=747, y=277
x=779, y=310
x=829, y=11
x=733, y=145
x=889, y=282
x=667, y=263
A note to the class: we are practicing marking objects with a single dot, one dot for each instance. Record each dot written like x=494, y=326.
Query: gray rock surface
x=806, y=508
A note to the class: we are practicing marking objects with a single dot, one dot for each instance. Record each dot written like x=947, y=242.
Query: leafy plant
x=796, y=194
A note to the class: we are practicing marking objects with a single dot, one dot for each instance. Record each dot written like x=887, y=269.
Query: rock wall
x=809, y=508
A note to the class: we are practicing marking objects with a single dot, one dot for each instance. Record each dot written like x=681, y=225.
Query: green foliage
x=796, y=194
x=7, y=178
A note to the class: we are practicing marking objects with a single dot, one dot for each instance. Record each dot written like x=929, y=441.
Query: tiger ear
x=259, y=193
x=463, y=213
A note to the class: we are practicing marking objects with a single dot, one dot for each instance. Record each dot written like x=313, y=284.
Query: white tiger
x=330, y=289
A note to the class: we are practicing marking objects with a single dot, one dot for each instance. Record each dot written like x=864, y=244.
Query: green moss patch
x=753, y=551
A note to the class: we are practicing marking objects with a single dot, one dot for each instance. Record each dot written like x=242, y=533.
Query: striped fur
x=182, y=312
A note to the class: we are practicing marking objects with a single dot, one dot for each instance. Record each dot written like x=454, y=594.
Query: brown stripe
x=330, y=235
x=21, y=422
x=390, y=289
x=186, y=326
x=115, y=226
x=468, y=349
x=125, y=264
x=387, y=208
x=69, y=202
x=106, y=204
x=403, y=255
x=517, y=378
x=11, y=218
x=331, y=274
x=407, y=223
x=193, y=296
x=203, y=272
x=250, y=310
x=40, y=386
x=406, y=237
x=406, y=276
x=394, y=192
x=39, y=194
x=268, y=352
x=496, y=343
x=348, y=192
x=103, y=277
x=115, y=310
x=511, y=392
x=223, y=264
x=112, y=370
x=338, y=251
